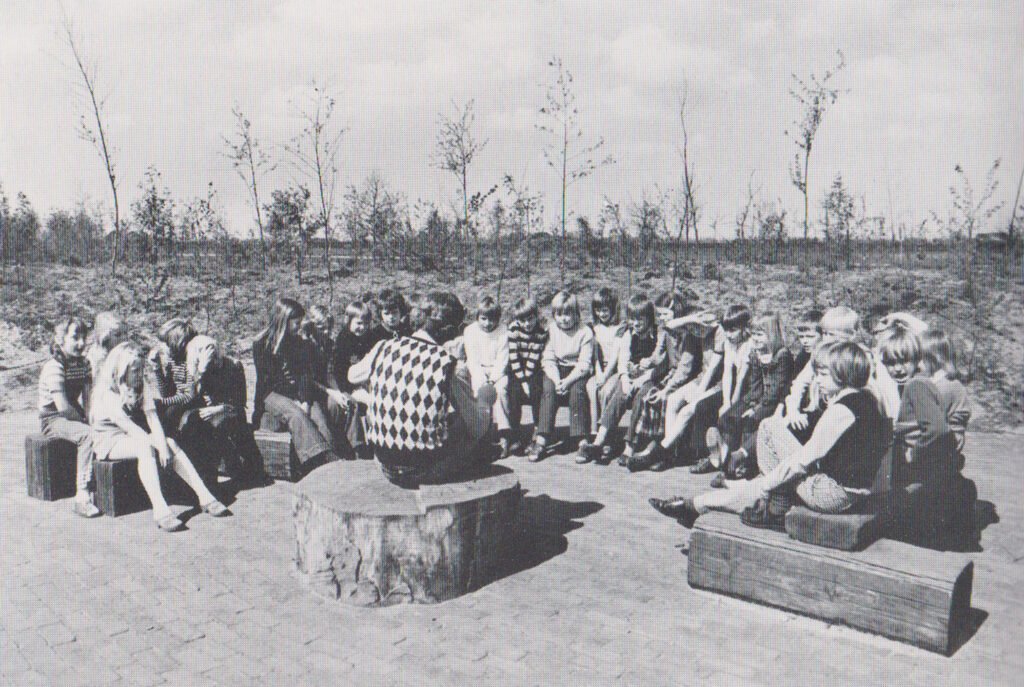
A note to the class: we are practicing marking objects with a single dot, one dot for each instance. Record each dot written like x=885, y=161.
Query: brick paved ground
x=601, y=599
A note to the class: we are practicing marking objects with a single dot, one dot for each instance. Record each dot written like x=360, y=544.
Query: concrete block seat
x=363, y=540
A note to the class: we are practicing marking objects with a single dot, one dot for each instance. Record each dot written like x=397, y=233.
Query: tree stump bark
x=364, y=541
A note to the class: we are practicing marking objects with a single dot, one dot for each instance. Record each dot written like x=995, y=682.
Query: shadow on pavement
x=544, y=523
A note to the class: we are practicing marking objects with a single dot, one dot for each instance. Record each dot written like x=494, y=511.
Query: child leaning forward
x=125, y=425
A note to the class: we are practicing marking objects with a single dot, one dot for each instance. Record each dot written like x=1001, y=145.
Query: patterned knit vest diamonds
x=409, y=389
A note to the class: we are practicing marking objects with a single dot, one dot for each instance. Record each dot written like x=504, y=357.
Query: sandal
x=216, y=509
x=170, y=523
x=86, y=509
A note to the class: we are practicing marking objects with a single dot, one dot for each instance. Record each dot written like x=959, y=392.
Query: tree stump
x=364, y=541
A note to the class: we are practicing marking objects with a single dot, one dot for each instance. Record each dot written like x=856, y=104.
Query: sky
x=927, y=86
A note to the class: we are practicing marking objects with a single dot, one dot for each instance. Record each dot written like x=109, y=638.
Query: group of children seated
x=721, y=393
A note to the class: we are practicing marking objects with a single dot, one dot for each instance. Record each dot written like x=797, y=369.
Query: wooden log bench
x=119, y=490
x=279, y=458
x=364, y=541
x=51, y=467
x=893, y=589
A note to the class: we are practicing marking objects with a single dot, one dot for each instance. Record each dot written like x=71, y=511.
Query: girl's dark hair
x=61, y=330
x=606, y=298
x=489, y=308
x=176, y=333
x=736, y=317
x=284, y=309
x=673, y=301
x=640, y=307
x=392, y=300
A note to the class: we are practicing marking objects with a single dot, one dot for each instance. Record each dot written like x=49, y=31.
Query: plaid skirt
x=651, y=425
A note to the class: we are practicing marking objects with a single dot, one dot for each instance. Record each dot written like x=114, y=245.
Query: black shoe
x=535, y=453
x=588, y=452
x=640, y=463
x=673, y=507
x=703, y=467
x=761, y=517
x=681, y=508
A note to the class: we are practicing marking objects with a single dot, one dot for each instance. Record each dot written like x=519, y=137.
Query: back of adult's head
x=443, y=315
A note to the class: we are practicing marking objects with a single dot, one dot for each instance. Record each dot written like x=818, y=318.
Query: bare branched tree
x=314, y=155
x=527, y=215
x=454, y=152
x=251, y=163
x=815, y=96
x=566, y=152
x=91, y=126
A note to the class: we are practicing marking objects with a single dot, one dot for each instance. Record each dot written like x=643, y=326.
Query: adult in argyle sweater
x=423, y=421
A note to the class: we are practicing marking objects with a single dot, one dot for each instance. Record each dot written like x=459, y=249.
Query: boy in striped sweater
x=527, y=337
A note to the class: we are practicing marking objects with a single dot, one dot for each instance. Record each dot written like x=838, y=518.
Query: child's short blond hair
x=565, y=303
x=847, y=362
x=841, y=321
x=897, y=343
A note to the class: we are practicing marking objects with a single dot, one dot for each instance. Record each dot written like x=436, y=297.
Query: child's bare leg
x=182, y=465
x=148, y=469
x=677, y=417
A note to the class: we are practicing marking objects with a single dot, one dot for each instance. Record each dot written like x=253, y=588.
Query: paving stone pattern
x=598, y=596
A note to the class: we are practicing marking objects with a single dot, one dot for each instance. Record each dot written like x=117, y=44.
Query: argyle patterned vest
x=408, y=386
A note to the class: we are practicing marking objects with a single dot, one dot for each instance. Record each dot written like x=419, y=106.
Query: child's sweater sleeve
x=801, y=383
x=585, y=361
x=921, y=404
x=776, y=381
x=501, y=360
x=548, y=360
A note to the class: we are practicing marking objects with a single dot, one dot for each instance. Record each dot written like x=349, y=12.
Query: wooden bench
x=51, y=467
x=119, y=490
x=893, y=589
x=279, y=458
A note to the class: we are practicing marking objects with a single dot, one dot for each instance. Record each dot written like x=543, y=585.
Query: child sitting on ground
x=527, y=339
x=64, y=384
x=567, y=362
x=485, y=342
x=125, y=425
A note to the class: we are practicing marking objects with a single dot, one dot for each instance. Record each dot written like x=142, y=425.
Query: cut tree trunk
x=365, y=541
